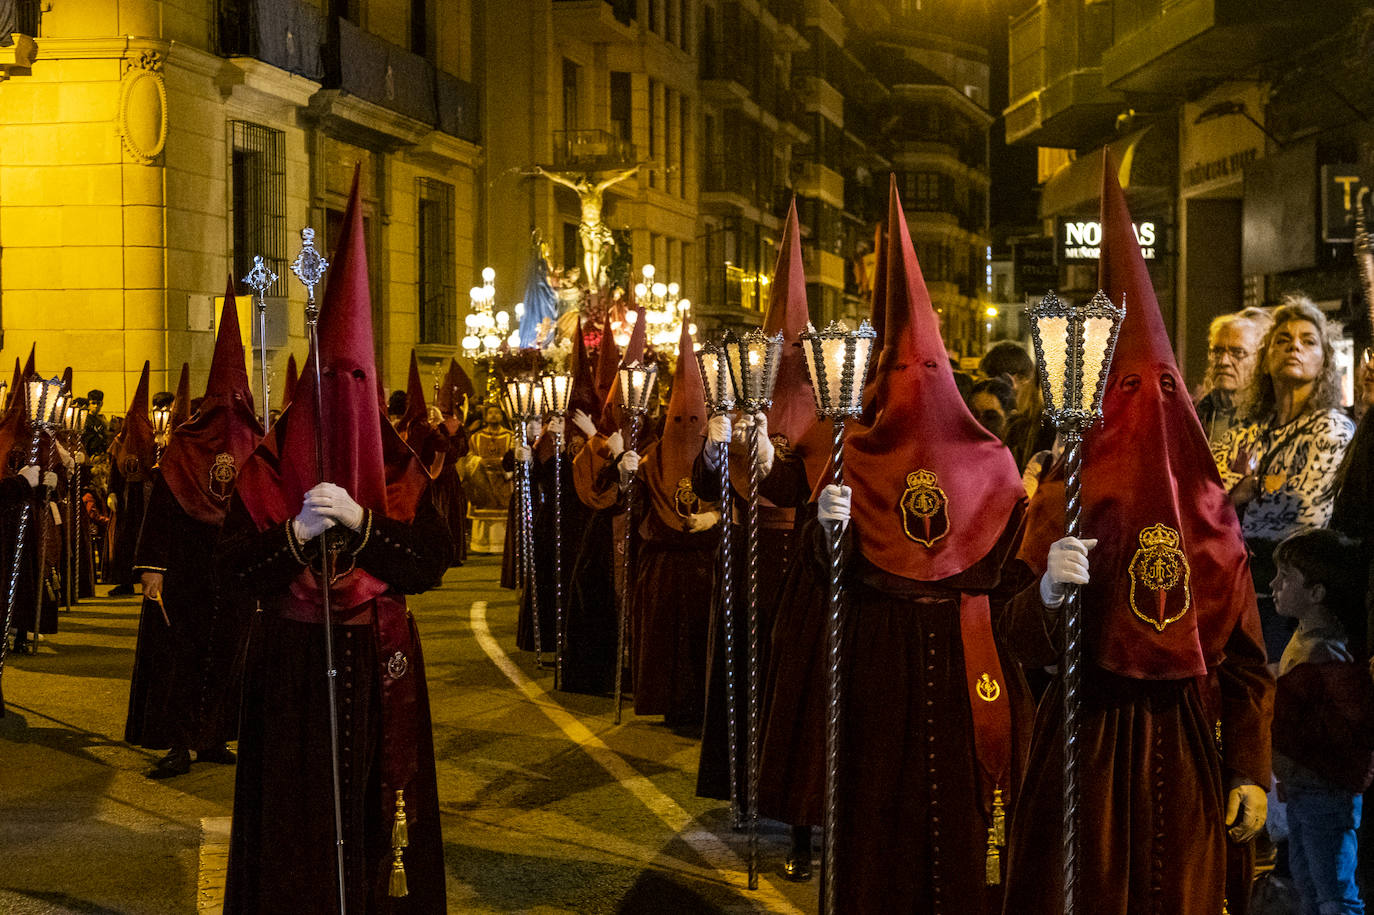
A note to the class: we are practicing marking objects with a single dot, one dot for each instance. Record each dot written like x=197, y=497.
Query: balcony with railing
x=1056, y=82
x=1165, y=46
x=369, y=68
x=284, y=33
x=595, y=21
x=591, y=150
x=18, y=50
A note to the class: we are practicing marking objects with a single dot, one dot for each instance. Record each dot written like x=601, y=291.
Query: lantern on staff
x=837, y=360
x=556, y=388
x=1073, y=345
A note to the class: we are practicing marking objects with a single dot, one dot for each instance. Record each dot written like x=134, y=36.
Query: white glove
x=523, y=455
x=558, y=426
x=333, y=501
x=31, y=474
x=1247, y=807
x=50, y=479
x=533, y=429
x=832, y=505
x=702, y=522
x=584, y=422
x=615, y=443
x=718, y=428
x=67, y=460
x=309, y=524
x=764, y=452
x=1067, y=564
x=629, y=463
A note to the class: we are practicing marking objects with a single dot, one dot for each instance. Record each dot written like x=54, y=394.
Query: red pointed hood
x=1158, y=502
x=933, y=490
x=293, y=377
x=794, y=406
x=15, y=381
x=612, y=417
x=455, y=386
x=29, y=369
x=414, y=426
x=181, y=401
x=204, y=455
x=134, y=450
x=362, y=452
x=668, y=461
x=584, y=392
x=607, y=364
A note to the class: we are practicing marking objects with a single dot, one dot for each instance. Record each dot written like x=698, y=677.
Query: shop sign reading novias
x=1081, y=239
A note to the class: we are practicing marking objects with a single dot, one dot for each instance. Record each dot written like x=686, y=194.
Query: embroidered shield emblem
x=988, y=688
x=222, y=476
x=1160, y=592
x=686, y=502
x=397, y=665
x=925, y=515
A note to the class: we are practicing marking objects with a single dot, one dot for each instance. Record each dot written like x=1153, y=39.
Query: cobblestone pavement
x=547, y=807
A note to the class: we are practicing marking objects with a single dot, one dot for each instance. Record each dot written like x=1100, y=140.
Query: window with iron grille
x=257, y=177
x=438, y=292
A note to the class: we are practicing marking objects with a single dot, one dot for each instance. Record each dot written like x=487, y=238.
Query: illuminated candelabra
x=487, y=328
x=664, y=308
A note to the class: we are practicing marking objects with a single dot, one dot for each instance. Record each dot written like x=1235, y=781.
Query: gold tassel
x=992, y=870
x=999, y=819
x=398, y=886
x=400, y=838
x=400, y=832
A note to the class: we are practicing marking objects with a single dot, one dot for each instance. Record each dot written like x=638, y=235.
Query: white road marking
x=214, y=864
x=716, y=852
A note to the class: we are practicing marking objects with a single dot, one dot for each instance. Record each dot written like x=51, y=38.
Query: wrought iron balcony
x=591, y=150
x=363, y=65
x=283, y=33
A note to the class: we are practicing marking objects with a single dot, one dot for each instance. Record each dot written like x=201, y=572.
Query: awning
x=1148, y=160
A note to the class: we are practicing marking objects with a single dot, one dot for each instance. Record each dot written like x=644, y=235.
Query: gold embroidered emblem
x=397, y=665
x=782, y=446
x=686, y=502
x=988, y=690
x=1161, y=567
x=222, y=476
x=925, y=515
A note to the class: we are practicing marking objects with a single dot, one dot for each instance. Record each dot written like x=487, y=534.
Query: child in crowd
x=1323, y=715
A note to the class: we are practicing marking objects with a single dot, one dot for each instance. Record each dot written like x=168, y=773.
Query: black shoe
x=176, y=762
x=797, y=868
x=220, y=754
x=122, y=591
x=22, y=645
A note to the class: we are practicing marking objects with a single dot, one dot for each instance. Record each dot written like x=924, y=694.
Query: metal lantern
x=715, y=378
x=555, y=388
x=525, y=396
x=636, y=385
x=719, y=392
x=162, y=420
x=753, y=364
x=837, y=360
x=1073, y=346
x=46, y=401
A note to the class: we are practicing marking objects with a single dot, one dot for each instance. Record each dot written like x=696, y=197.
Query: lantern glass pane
x=37, y=402
x=1054, y=346
x=734, y=358
x=833, y=352
x=1097, y=332
x=863, y=349
x=811, y=346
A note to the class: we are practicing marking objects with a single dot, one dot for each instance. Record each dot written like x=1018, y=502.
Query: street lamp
x=837, y=360
x=1073, y=346
x=636, y=384
x=556, y=388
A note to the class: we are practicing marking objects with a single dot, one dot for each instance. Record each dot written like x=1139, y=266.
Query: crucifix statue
x=594, y=234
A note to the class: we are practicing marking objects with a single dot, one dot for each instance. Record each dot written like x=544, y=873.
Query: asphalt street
x=547, y=806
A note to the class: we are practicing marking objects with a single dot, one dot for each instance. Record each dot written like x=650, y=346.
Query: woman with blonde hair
x=1280, y=463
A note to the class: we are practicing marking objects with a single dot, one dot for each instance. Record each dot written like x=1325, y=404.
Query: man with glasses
x=1233, y=342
